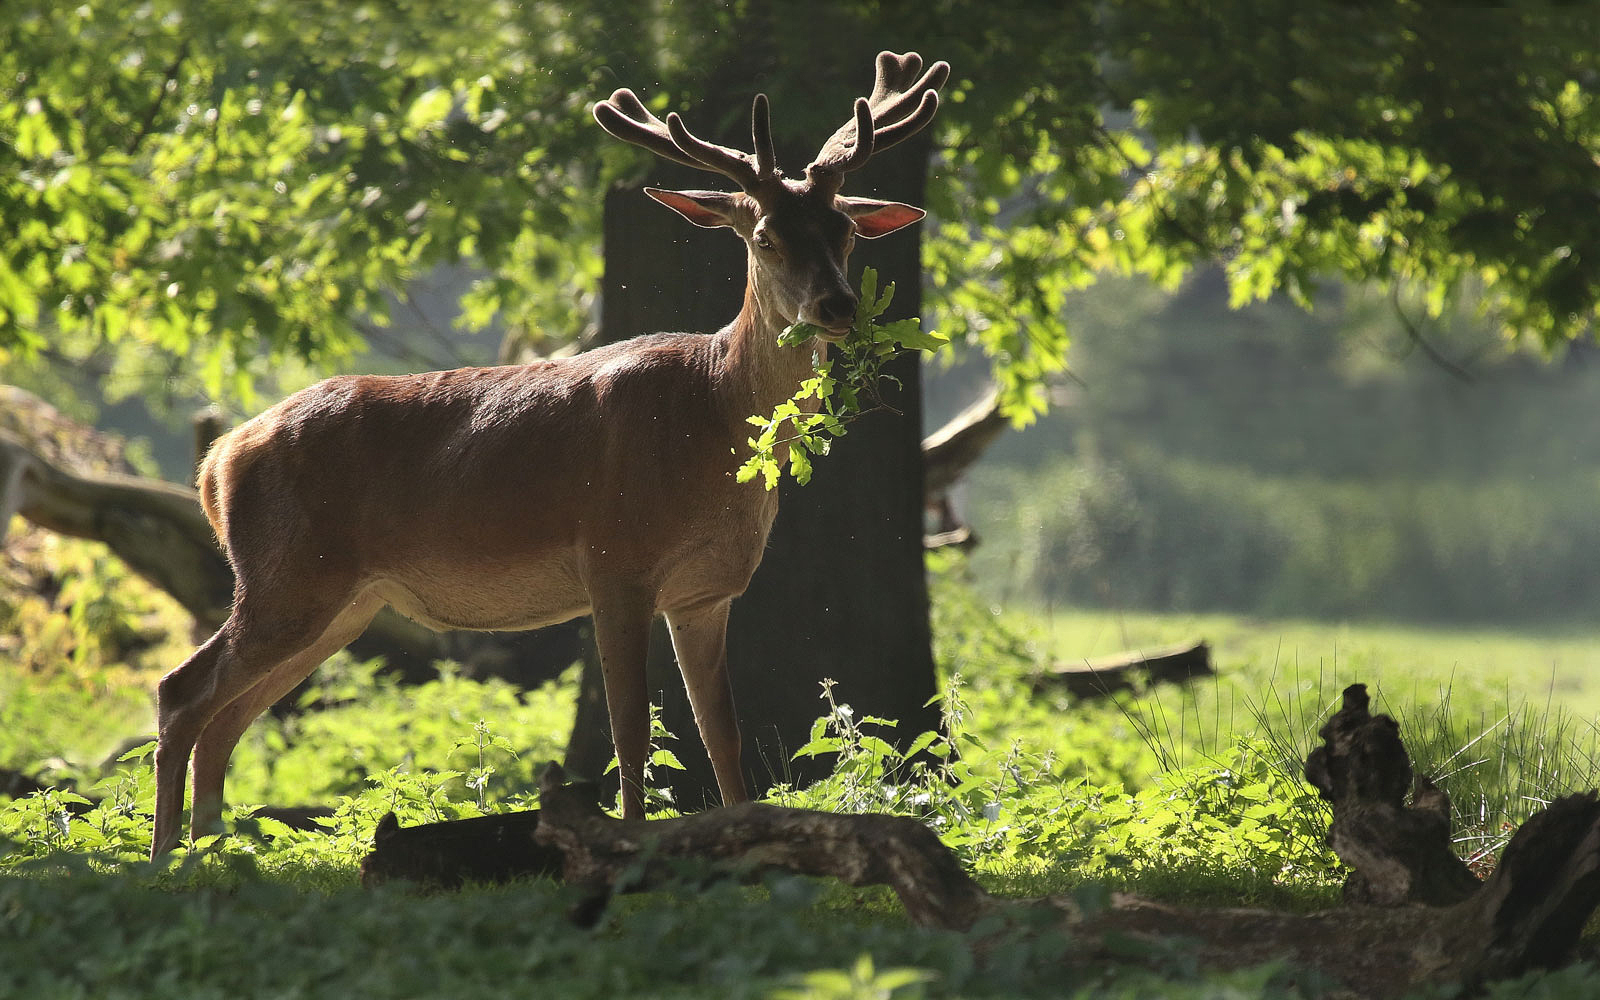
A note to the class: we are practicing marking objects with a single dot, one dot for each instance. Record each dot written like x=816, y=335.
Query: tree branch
x=1414, y=333
x=168, y=82
x=157, y=528
x=948, y=452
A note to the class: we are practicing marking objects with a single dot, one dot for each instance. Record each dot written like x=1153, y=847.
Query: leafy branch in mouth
x=845, y=387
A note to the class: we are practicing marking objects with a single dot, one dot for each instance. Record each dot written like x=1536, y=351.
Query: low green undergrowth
x=1191, y=794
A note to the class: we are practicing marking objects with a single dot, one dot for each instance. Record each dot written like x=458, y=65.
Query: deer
x=514, y=497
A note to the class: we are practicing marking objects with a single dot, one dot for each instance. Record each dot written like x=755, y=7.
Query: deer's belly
x=707, y=560
x=708, y=573
x=487, y=598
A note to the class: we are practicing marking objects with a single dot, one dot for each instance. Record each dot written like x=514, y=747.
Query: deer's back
x=619, y=461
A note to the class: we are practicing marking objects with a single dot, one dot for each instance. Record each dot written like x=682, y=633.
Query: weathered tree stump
x=1531, y=911
x=1417, y=915
x=1398, y=854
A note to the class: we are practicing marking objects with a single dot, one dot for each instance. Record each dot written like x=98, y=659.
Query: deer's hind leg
x=268, y=629
x=217, y=740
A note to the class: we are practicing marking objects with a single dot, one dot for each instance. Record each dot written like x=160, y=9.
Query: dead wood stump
x=1397, y=853
x=1415, y=915
x=1530, y=912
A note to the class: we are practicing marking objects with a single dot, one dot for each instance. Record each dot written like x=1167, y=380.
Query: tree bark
x=485, y=850
x=604, y=855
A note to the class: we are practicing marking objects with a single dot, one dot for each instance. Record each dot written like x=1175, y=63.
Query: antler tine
x=904, y=100
x=864, y=138
x=895, y=102
x=894, y=73
x=908, y=126
x=761, y=137
x=625, y=116
x=731, y=163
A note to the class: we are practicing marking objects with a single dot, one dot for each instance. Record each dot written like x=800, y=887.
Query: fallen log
x=1125, y=671
x=483, y=850
x=603, y=854
x=155, y=527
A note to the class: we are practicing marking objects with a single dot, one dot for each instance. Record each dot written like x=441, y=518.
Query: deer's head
x=798, y=233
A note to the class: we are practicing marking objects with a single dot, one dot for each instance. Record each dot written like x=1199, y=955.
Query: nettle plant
x=845, y=386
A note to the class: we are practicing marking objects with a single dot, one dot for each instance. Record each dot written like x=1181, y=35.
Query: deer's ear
x=878, y=218
x=709, y=209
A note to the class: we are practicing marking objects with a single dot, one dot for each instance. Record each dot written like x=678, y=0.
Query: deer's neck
x=762, y=373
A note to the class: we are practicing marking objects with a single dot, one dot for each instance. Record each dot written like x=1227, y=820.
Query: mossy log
x=603, y=854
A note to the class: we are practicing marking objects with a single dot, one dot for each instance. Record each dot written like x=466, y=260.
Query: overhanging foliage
x=232, y=188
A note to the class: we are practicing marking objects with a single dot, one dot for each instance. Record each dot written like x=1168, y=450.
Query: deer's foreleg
x=700, y=640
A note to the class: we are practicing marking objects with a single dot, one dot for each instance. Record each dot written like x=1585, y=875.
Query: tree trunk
x=841, y=592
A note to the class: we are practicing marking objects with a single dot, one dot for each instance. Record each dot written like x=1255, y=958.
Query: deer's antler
x=904, y=100
x=626, y=117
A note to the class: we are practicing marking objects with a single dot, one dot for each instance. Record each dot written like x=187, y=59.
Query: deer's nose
x=836, y=309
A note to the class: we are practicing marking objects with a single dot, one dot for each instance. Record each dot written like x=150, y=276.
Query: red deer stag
x=517, y=497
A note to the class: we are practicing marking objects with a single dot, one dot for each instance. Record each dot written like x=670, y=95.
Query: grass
x=1184, y=794
x=1504, y=720
x=1559, y=668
